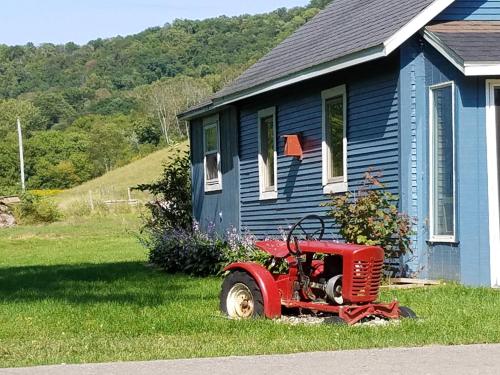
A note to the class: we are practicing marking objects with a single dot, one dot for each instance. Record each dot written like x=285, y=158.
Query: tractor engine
x=328, y=277
x=352, y=278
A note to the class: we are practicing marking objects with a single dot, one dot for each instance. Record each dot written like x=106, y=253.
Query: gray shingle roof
x=343, y=31
x=472, y=41
x=343, y=28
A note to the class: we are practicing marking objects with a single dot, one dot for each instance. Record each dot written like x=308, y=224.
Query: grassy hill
x=115, y=184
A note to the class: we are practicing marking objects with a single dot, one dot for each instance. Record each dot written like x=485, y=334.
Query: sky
x=79, y=21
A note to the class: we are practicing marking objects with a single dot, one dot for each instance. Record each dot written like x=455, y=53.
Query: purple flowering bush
x=240, y=247
x=185, y=251
x=198, y=253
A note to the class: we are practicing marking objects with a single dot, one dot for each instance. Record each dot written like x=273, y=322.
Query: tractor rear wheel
x=241, y=297
x=406, y=313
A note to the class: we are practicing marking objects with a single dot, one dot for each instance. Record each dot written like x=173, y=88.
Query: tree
x=106, y=102
x=9, y=163
x=320, y=4
x=11, y=110
x=165, y=99
x=56, y=159
x=109, y=145
x=55, y=108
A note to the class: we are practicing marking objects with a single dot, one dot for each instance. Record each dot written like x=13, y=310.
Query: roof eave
x=348, y=61
x=416, y=24
x=191, y=114
x=469, y=69
x=474, y=69
x=317, y=71
x=444, y=50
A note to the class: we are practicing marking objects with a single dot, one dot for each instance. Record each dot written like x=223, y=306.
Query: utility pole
x=21, y=153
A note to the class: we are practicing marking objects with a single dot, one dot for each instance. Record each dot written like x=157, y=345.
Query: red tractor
x=338, y=281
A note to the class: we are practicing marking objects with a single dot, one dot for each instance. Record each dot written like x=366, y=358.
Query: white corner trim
x=417, y=23
x=434, y=237
x=493, y=188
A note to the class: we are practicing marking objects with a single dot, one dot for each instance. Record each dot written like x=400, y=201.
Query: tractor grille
x=366, y=279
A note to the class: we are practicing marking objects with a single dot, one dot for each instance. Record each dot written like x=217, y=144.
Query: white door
x=493, y=144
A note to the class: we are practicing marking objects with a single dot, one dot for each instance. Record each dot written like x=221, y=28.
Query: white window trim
x=341, y=185
x=214, y=185
x=493, y=188
x=434, y=237
x=264, y=194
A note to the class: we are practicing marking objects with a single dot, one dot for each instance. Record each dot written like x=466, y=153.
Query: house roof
x=345, y=33
x=473, y=46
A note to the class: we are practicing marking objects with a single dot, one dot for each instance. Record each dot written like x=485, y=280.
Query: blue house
x=408, y=87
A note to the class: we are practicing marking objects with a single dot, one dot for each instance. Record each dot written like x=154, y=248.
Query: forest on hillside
x=88, y=109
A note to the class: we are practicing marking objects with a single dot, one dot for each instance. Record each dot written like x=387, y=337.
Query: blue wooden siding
x=472, y=11
x=373, y=141
x=412, y=103
x=468, y=259
x=220, y=209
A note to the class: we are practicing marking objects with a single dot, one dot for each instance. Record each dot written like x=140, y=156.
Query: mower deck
x=350, y=314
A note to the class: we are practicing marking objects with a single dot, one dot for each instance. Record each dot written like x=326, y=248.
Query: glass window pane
x=267, y=151
x=335, y=136
x=443, y=178
x=212, y=167
x=211, y=139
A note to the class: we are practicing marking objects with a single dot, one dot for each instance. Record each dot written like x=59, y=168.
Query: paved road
x=440, y=360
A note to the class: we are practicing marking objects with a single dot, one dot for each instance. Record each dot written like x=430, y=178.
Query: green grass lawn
x=81, y=292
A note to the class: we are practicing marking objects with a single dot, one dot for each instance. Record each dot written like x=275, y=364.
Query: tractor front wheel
x=241, y=297
x=407, y=313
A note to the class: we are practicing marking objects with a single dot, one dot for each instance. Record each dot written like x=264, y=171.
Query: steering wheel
x=314, y=236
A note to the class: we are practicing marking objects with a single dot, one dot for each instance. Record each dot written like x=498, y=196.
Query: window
x=442, y=162
x=268, y=169
x=335, y=140
x=211, y=145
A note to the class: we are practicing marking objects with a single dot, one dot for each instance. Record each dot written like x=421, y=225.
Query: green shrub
x=171, y=208
x=36, y=210
x=8, y=190
x=371, y=217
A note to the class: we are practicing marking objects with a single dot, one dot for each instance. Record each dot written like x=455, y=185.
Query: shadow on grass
x=129, y=283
